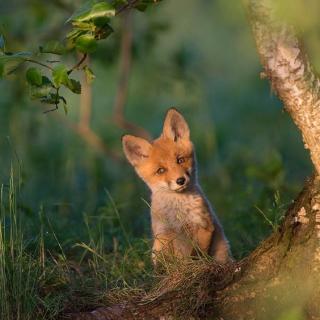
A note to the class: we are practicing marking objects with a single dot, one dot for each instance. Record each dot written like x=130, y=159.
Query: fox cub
x=182, y=218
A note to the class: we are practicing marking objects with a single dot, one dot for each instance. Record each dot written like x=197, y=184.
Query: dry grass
x=186, y=290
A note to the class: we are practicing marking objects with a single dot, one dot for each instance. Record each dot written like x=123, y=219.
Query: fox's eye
x=161, y=170
x=180, y=160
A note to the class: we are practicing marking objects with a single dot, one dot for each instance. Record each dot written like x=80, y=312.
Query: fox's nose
x=180, y=181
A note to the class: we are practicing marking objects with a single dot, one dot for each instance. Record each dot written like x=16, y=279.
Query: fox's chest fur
x=179, y=212
x=185, y=222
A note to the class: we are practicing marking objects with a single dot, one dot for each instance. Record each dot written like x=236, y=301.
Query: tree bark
x=289, y=72
x=282, y=276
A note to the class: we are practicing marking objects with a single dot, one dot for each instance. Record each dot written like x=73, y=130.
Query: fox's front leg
x=202, y=238
x=162, y=246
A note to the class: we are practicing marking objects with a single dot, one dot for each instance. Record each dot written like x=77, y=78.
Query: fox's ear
x=136, y=149
x=175, y=126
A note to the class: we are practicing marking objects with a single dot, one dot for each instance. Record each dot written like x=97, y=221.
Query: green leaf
x=100, y=22
x=41, y=92
x=60, y=75
x=102, y=9
x=104, y=32
x=89, y=74
x=75, y=33
x=11, y=61
x=47, y=81
x=2, y=43
x=34, y=77
x=85, y=26
x=86, y=43
x=44, y=90
x=54, y=47
x=91, y=10
x=74, y=86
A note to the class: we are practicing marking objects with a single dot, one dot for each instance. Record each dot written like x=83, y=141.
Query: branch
x=91, y=138
x=39, y=63
x=78, y=64
x=289, y=71
x=123, y=83
x=128, y=5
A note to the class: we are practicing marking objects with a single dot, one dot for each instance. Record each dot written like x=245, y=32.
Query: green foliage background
x=196, y=55
x=70, y=208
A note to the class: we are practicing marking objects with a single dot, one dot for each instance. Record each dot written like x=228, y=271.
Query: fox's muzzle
x=180, y=183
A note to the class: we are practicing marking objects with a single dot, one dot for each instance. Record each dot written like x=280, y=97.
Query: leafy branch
x=89, y=24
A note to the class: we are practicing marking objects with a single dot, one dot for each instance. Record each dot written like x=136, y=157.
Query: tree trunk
x=282, y=274
x=289, y=72
x=281, y=278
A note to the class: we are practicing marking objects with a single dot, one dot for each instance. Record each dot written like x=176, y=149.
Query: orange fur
x=182, y=218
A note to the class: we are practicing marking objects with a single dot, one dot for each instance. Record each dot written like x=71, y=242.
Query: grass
x=41, y=283
x=44, y=274
x=19, y=271
x=275, y=214
x=38, y=282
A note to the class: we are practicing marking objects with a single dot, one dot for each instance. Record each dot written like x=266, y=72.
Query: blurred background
x=198, y=56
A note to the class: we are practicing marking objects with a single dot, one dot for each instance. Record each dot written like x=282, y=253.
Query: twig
x=51, y=110
x=53, y=61
x=123, y=83
x=126, y=6
x=39, y=63
x=76, y=66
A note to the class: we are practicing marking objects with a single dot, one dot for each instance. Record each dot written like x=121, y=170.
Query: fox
x=182, y=218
